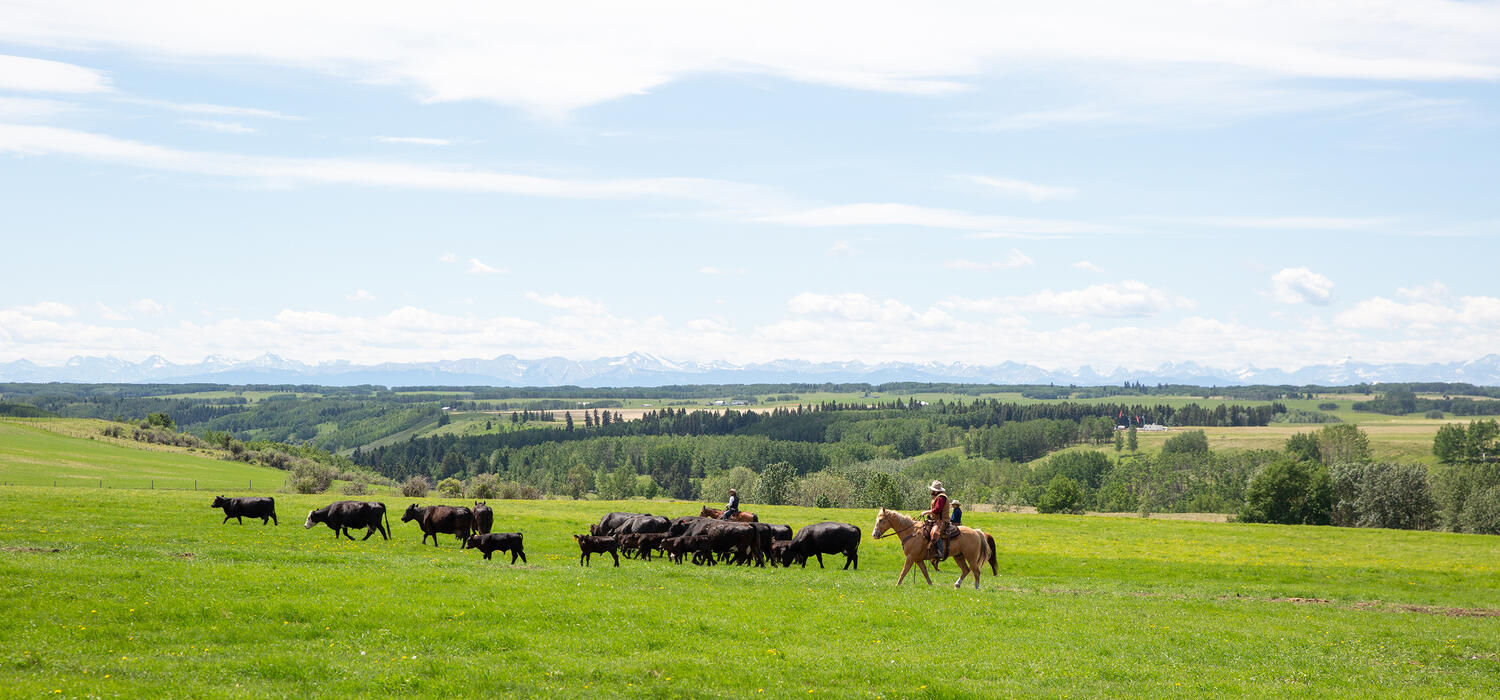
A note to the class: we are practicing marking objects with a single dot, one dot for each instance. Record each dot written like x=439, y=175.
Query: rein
x=908, y=528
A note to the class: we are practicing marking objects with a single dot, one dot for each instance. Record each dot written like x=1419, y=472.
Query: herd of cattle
x=697, y=538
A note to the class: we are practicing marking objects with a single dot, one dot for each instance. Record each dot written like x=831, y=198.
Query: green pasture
x=73, y=452
x=148, y=595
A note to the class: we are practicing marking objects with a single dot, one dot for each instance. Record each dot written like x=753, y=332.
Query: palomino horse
x=970, y=549
x=740, y=517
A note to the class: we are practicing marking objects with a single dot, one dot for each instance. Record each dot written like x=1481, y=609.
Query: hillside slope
x=73, y=452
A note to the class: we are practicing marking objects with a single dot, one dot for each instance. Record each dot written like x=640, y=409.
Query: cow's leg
x=368, y=532
x=240, y=518
x=487, y=554
x=820, y=560
x=274, y=520
x=346, y=534
x=226, y=519
x=616, y=556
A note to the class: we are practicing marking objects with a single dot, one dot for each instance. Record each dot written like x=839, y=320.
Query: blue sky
x=1058, y=184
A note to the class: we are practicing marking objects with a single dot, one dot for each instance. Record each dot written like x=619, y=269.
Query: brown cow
x=454, y=520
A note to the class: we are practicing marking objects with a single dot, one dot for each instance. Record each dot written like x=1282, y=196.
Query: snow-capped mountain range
x=642, y=369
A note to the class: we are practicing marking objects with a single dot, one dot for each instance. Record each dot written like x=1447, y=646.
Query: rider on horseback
x=732, y=508
x=937, y=519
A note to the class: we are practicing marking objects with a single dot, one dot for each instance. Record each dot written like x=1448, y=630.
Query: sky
x=1064, y=183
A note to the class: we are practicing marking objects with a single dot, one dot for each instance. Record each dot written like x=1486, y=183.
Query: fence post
x=153, y=484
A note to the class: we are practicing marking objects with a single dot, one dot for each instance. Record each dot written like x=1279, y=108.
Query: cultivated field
x=145, y=594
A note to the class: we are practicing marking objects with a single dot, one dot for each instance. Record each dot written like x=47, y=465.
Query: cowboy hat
x=731, y=490
x=937, y=487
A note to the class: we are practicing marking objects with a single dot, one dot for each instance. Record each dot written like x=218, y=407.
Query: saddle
x=949, y=531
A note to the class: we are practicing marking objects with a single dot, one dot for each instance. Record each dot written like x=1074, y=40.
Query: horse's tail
x=994, y=564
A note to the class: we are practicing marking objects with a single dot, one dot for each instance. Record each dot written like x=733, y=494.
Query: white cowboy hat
x=937, y=487
x=731, y=490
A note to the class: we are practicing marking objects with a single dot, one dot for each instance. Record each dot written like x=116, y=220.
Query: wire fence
x=144, y=484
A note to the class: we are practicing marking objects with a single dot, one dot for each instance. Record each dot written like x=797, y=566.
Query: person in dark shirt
x=732, y=508
x=957, y=518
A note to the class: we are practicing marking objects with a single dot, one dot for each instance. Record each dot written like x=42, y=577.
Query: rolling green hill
x=73, y=452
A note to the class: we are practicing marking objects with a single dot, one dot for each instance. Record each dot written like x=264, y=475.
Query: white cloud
x=48, y=309
x=1299, y=285
x=1021, y=188
x=1012, y=260
x=841, y=249
x=630, y=50
x=1129, y=298
x=1087, y=266
x=578, y=305
x=1067, y=116
x=221, y=126
x=147, y=306
x=38, y=75
x=449, y=258
x=46, y=140
x=1282, y=223
x=895, y=214
x=1380, y=313
x=1433, y=293
x=360, y=295
x=213, y=109
x=27, y=108
x=416, y=140
x=477, y=267
x=720, y=272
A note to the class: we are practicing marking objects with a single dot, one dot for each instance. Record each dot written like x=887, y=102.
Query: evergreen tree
x=569, y=417
x=1131, y=441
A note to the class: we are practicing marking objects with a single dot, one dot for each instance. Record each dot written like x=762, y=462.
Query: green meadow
x=74, y=452
x=131, y=592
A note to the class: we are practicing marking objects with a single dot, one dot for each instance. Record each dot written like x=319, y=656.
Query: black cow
x=263, y=507
x=698, y=545
x=502, y=541
x=681, y=525
x=454, y=520
x=589, y=545
x=737, y=539
x=770, y=534
x=778, y=551
x=343, y=516
x=824, y=538
x=642, y=524
x=609, y=522
x=484, y=518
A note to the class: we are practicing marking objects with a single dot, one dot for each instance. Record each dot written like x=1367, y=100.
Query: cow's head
x=313, y=518
x=219, y=502
x=412, y=513
x=471, y=543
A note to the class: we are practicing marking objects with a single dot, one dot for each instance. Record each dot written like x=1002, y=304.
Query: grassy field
x=73, y=452
x=145, y=594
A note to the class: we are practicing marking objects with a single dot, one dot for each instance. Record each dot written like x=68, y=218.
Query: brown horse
x=970, y=549
x=740, y=517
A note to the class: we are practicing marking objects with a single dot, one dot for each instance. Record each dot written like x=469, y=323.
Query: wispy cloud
x=1020, y=188
x=209, y=109
x=39, y=75
x=46, y=140
x=840, y=249
x=221, y=127
x=416, y=140
x=896, y=214
x=477, y=267
x=1282, y=223
x=1088, y=266
x=578, y=305
x=1013, y=259
x=360, y=295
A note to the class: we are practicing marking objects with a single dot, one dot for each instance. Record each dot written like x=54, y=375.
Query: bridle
x=908, y=528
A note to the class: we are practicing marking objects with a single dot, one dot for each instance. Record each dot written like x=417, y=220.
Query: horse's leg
x=963, y=568
x=905, y=569
x=922, y=566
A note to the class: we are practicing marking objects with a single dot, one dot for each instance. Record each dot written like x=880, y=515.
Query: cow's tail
x=994, y=563
x=386, y=513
